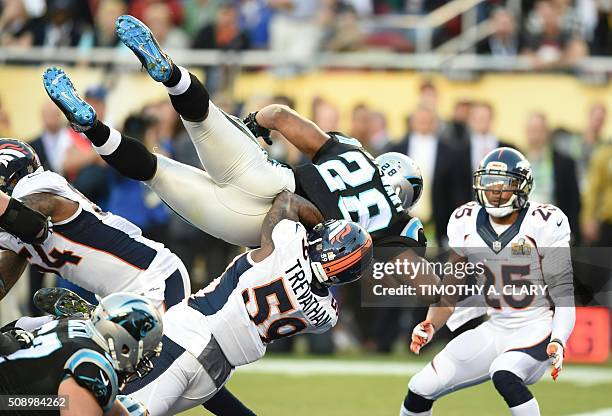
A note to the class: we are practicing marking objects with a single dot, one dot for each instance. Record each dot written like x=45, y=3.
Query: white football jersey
x=252, y=304
x=96, y=250
x=509, y=265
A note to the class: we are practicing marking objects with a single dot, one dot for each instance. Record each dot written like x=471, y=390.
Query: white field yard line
x=582, y=375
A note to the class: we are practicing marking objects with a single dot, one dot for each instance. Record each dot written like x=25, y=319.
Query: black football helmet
x=17, y=159
x=340, y=252
x=503, y=170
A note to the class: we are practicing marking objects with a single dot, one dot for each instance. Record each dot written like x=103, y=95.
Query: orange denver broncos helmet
x=340, y=251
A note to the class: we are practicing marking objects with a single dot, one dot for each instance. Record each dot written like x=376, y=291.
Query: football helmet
x=340, y=252
x=132, y=328
x=502, y=171
x=404, y=176
x=17, y=159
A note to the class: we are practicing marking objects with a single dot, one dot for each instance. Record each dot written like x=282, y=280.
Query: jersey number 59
x=265, y=298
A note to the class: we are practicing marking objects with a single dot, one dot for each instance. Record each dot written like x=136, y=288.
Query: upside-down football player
x=524, y=247
x=231, y=196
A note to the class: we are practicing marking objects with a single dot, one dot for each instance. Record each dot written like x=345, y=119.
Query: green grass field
x=281, y=386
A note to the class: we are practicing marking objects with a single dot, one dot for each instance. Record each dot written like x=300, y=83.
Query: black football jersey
x=62, y=348
x=344, y=182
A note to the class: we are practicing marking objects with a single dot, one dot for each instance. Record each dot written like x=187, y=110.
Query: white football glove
x=556, y=351
x=133, y=406
x=421, y=335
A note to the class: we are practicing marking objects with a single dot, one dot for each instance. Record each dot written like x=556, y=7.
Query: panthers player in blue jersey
x=238, y=181
x=78, y=358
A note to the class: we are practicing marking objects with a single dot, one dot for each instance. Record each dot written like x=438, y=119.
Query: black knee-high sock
x=192, y=105
x=225, y=403
x=416, y=403
x=131, y=158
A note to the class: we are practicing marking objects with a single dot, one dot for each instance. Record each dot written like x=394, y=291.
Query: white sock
x=529, y=408
x=110, y=145
x=406, y=412
x=182, y=85
x=31, y=323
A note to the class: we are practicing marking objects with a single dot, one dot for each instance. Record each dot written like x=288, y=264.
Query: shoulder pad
x=93, y=371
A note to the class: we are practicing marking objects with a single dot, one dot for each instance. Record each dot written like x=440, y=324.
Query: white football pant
x=474, y=356
x=230, y=199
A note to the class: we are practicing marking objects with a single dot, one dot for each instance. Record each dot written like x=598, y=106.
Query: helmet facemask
x=501, y=192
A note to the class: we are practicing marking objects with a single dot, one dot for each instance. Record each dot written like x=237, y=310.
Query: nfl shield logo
x=496, y=245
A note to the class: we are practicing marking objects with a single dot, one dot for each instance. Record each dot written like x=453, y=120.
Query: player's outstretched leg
x=189, y=97
x=228, y=151
x=129, y=156
x=516, y=394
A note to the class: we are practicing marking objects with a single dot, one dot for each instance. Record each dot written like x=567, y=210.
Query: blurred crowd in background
x=551, y=32
x=572, y=169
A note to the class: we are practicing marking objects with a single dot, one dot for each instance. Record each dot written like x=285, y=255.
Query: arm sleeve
x=559, y=276
x=92, y=371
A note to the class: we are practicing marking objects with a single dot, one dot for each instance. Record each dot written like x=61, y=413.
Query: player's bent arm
x=424, y=278
x=301, y=132
x=54, y=206
x=80, y=400
x=11, y=269
x=289, y=206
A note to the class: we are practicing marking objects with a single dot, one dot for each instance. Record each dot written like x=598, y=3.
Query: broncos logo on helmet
x=17, y=159
x=340, y=252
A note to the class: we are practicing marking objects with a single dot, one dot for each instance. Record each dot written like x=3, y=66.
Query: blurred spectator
x=505, y=39
x=456, y=129
x=580, y=146
x=601, y=42
x=63, y=25
x=255, y=16
x=224, y=33
x=379, y=136
x=139, y=8
x=103, y=33
x=343, y=33
x=82, y=166
x=17, y=27
x=158, y=16
x=295, y=29
x=482, y=139
x=438, y=161
x=428, y=95
x=325, y=115
x=554, y=174
x=199, y=13
x=360, y=124
x=569, y=20
x=553, y=47
x=54, y=140
x=597, y=199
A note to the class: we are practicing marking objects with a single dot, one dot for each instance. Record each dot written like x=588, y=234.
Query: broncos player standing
x=79, y=358
x=239, y=182
x=524, y=247
x=272, y=292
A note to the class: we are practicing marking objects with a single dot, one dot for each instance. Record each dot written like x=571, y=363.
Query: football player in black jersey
x=231, y=196
x=87, y=360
